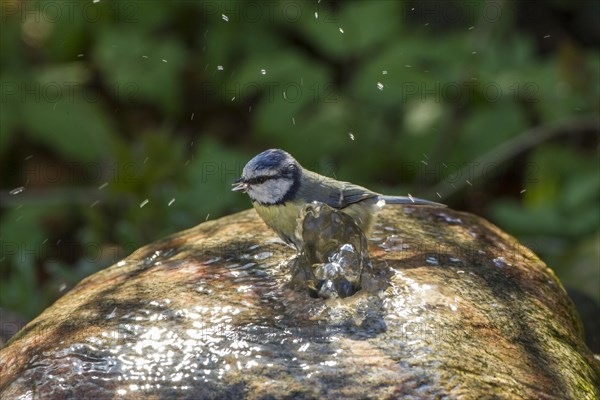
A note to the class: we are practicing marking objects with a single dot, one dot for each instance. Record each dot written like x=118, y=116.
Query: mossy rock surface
x=207, y=313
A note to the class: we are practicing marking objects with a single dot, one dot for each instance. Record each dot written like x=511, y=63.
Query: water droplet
x=351, y=135
x=379, y=85
x=219, y=68
x=304, y=347
x=449, y=219
x=263, y=71
x=225, y=17
x=212, y=260
x=384, y=72
x=341, y=30
x=143, y=203
x=105, y=184
x=316, y=15
x=394, y=243
x=112, y=314
x=523, y=191
x=171, y=202
x=163, y=60
x=263, y=255
x=501, y=262
x=18, y=190
x=432, y=260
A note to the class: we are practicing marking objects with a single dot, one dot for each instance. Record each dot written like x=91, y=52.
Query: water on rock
x=453, y=308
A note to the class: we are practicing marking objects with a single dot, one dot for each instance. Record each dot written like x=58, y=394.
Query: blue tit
x=279, y=188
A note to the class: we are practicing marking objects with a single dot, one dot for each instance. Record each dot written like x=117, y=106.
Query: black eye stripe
x=261, y=179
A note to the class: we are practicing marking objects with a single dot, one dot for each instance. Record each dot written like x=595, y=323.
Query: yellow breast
x=284, y=218
x=281, y=218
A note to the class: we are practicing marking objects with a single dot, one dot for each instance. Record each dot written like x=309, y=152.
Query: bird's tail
x=410, y=201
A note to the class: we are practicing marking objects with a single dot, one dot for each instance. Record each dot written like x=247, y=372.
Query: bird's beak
x=239, y=185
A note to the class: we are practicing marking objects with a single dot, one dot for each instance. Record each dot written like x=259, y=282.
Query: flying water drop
x=18, y=190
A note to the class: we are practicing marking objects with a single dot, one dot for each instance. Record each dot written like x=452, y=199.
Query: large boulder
x=466, y=312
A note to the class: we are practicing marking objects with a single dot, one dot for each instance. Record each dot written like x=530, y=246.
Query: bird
x=279, y=188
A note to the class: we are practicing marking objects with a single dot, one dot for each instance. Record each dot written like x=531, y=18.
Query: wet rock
x=207, y=313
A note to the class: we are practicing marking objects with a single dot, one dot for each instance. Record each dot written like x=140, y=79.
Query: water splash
x=334, y=261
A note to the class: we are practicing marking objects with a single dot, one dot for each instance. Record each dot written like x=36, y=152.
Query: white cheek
x=272, y=191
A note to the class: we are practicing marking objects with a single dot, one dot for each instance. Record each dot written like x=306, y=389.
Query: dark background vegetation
x=123, y=122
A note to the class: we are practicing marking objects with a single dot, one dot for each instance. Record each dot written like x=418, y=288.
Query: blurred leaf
x=11, y=56
x=22, y=242
x=210, y=174
x=365, y=25
x=8, y=124
x=486, y=128
x=22, y=234
x=560, y=176
x=583, y=189
x=562, y=196
x=527, y=221
x=155, y=158
x=418, y=68
x=76, y=129
x=579, y=266
x=137, y=67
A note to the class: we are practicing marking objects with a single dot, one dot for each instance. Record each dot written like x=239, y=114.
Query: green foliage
x=140, y=68
x=147, y=111
x=560, y=202
x=21, y=241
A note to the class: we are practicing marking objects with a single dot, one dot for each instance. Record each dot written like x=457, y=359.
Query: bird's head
x=271, y=177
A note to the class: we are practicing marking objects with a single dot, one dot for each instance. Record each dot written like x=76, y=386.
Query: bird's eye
x=261, y=179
